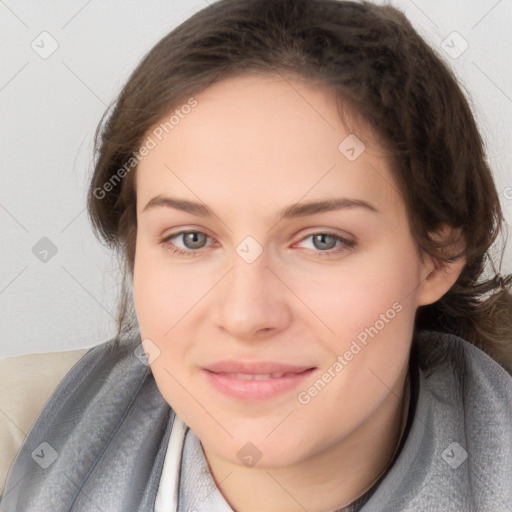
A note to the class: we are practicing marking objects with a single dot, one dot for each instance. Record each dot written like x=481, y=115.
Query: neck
x=327, y=481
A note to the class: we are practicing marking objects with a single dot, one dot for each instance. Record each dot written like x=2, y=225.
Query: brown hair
x=379, y=66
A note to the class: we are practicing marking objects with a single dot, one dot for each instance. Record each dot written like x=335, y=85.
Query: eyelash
x=346, y=244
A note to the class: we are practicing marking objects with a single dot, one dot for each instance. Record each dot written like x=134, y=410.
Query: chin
x=250, y=448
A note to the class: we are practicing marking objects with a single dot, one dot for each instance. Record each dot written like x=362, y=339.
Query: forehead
x=264, y=135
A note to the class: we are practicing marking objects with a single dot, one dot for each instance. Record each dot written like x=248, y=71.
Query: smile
x=255, y=386
x=263, y=376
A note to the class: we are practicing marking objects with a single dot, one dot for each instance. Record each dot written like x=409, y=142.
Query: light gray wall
x=65, y=298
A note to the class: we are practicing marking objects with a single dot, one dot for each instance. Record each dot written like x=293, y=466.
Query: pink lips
x=256, y=367
x=255, y=380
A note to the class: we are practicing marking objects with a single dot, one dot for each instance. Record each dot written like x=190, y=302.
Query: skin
x=253, y=145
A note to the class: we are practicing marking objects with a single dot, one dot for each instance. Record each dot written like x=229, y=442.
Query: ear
x=438, y=275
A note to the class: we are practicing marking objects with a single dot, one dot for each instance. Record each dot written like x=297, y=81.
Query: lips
x=255, y=380
x=255, y=368
x=258, y=376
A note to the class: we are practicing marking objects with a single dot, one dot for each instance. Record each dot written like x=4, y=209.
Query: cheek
x=353, y=295
x=162, y=294
x=371, y=319
x=162, y=301
x=148, y=296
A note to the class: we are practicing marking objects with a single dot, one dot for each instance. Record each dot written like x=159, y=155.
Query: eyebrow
x=295, y=210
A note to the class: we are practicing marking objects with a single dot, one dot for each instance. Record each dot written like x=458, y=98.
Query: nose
x=252, y=301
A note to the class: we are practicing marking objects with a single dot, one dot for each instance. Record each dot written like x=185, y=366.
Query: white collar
x=168, y=489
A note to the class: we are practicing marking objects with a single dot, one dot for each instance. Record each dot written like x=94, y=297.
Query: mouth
x=260, y=376
x=255, y=381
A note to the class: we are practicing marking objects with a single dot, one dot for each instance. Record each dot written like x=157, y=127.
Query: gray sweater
x=100, y=441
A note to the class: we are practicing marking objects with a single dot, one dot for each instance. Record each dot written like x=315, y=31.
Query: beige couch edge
x=26, y=383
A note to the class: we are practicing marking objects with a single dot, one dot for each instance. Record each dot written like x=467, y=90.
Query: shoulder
x=26, y=383
x=447, y=355
x=458, y=452
x=104, y=408
x=458, y=371
x=469, y=415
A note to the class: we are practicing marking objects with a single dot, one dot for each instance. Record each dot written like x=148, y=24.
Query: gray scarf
x=100, y=441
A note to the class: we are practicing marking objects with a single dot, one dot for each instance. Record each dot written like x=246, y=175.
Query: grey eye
x=194, y=240
x=322, y=244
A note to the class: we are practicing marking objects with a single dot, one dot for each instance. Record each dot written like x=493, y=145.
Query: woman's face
x=272, y=279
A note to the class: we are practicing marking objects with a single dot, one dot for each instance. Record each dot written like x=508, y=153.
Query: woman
x=300, y=195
